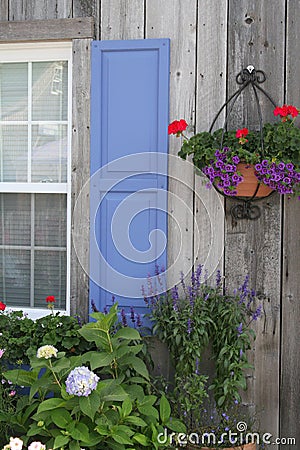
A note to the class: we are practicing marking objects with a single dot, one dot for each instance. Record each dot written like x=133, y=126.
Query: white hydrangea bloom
x=47, y=351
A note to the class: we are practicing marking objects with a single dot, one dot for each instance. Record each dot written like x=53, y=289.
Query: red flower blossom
x=285, y=111
x=50, y=299
x=177, y=127
x=2, y=306
x=242, y=133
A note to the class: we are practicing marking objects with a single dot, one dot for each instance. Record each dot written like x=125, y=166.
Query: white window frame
x=32, y=52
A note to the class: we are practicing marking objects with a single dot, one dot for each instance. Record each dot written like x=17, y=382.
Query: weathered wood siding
x=211, y=41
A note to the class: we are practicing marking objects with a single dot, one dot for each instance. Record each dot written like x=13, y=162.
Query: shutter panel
x=129, y=118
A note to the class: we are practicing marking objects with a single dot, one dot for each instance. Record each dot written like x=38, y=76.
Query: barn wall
x=211, y=41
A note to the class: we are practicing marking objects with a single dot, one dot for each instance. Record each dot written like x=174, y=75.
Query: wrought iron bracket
x=245, y=210
x=247, y=78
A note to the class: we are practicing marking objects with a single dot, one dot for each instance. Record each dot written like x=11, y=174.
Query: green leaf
x=21, y=377
x=176, y=425
x=221, y=400
x=90, y=405
x=73, y=445
x=134, y=420
x=61, y=364
x=51, y=403
x=128, y=333
x=98, y=359
x=110, y=390
x=61, y=417
x=148, y=410
x=94, y=335
x=139, y=366
x=79, y=431
x=120, y=437
x=60, y=441
x=126, y=407
x=164, y=409
x=37, y=384
x=141, y=439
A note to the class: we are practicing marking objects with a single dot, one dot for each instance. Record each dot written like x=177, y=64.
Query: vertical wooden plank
x=80, y=173
x=290, y=363
x=4, y=10
x=122, y=19
x=177, y=20
x=253, y=247
x=39, y=9
x=211, y=94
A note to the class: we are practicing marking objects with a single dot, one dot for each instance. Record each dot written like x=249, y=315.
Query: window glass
x=34, y=174
x=14, y=91
x=33, y=248
x=49, y=90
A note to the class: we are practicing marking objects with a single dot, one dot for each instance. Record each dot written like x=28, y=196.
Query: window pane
x=49, y=153
x=50, y=277
x=15, y=277
x=13, y=153
x=50, y=220
x=13, y=91
x=15, y=219
x=49, y=90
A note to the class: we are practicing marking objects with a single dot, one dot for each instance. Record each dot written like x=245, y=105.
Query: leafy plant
x=190, y=317
x=98, y=400
x=21, y=336
x=8, y=400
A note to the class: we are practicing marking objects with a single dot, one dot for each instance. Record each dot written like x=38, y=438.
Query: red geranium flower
x=177, y=127
x=50, y=299
x=242, y=133
x=285, y=111
x=2, y=306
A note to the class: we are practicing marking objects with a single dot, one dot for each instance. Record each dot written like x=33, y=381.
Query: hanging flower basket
x=273, y=149
x=250, y=186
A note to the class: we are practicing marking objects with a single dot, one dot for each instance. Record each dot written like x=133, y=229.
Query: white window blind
x=35, y=138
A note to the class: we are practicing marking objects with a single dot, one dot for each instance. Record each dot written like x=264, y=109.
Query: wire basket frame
x=252, y=79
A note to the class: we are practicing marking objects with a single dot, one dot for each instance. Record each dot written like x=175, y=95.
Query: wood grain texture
x=3, y=10
x=256, y=36
x=80, y=174
x=40, y=30
x=254, y=246
x=290, y=340
x=290, y=362
x=39, y=9
x=211, y=94
x=88, y=8
x=177, y=21
x=122, y=19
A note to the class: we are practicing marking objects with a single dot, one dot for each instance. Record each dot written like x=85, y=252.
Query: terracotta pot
x=239, y=447
x=249, y=184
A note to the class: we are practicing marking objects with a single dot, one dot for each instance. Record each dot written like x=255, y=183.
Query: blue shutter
x=129, y=118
